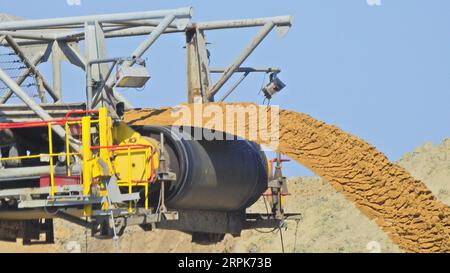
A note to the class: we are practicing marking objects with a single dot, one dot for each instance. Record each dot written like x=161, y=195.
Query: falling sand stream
x=402, y=206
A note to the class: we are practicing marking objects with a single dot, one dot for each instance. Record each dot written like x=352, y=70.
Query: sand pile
x=401, y=205
x=431, y=163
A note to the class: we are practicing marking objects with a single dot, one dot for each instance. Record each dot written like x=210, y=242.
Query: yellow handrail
x=50, y=151
x=36, y=156
x=105, y=139
x=66, y=127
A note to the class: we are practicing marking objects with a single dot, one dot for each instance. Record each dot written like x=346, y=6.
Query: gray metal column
x=198, y=77
x=56, y=67
x=95, y=49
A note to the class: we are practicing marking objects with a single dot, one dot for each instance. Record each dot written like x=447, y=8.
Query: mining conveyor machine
x=82, y=163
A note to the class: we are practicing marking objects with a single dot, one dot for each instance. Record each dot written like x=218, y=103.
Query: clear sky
x=381, y=72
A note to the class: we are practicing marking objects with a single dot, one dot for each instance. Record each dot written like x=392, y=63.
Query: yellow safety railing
x=50, y=155
x=105, y=151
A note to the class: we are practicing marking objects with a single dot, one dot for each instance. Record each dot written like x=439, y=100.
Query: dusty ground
x=330, y=222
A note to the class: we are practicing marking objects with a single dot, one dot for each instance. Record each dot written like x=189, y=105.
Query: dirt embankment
x=401, y=205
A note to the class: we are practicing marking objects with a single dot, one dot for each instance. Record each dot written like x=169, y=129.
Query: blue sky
x=379, y=72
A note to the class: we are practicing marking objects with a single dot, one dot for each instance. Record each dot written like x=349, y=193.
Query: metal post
x=89, y=87
x=234, y=86
x=247, y=51
x=56, y=70
x=249, y=69
x=198, y=76
x=95, y=47
x=152, y=37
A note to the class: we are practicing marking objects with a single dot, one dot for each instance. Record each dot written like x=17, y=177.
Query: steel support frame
x=128, y=28
x=198, y=74
x=32, y=68
x=142, y=23
x=283, y=22
x=264, y=31
x=14, y=28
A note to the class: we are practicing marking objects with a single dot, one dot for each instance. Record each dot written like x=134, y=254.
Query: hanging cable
x=281, y=238
x=86, y=237
x=295, y=236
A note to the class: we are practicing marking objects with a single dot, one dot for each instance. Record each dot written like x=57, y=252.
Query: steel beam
x=144, y=46
x=101, y=18
x=138, y=23
x=279, y=21
x=232, y=88
x=127, y=29
x=248, y=69
x=29, y=35
x=265, y=30
x=12, y=173
x=72, y=55
x=240, y=23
